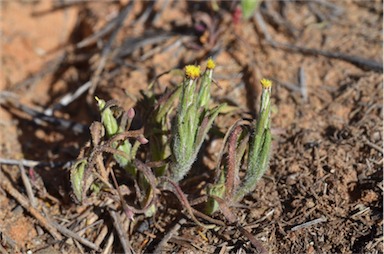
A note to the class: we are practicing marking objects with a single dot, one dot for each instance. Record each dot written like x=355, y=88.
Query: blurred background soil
x=324, y=57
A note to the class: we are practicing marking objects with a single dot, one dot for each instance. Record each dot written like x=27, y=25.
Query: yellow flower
x=192, y=71
x=211, y=64
x=266, y=83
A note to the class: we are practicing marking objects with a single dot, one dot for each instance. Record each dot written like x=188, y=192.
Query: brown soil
x=327, y=159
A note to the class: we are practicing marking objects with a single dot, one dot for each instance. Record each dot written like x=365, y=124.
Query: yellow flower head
x=266, y=83
x=211, y=64
x=192, y=71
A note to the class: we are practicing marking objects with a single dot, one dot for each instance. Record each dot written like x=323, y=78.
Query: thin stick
x=337, y=10
x=79, y=247
x=303, y=84
x=49, y=67
x=145, y=14
x=27, y=185
x=230, y=216
x=6, y=95
x=43, y=220
x=2, y=250
x=65, y=231
x=365, y=64
x=108, y=245
x=102, y=32
x=207, y=218
x=32, y=164
x=107, y=49
x=309, y=223
x=183, y=199
x=82, y=231
x=27, y=163
x=160, y=12
x=6, y=240
x=131, y=44
x=289, y=86
x=68, y=98
x=374, y=146
x=278, y=20
x=256, y=243
x=257, y=222
x=40, y=117
x=102, y=235
x=122, y=236
x=224, y=248
x=168, y=236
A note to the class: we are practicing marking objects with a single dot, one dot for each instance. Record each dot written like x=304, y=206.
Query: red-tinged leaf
x=184, y=201
x=232, y=168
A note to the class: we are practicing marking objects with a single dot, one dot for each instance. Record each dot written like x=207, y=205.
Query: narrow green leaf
x=77, y=174
x=204, y=128
x=248, y=7
x=166, y=107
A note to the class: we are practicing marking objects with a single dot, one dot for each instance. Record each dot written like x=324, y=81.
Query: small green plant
x=112, y=128
x=227, y=184
x=175, y=141
x=193, y=120
x=111, y=135
x=248, y=7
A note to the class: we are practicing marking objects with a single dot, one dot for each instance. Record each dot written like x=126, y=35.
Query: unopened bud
x=142, y=140
x=131, y=113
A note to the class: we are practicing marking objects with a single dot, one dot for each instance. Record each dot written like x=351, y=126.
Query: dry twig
x=69, y=233
x=108, y=245
x=309, y=223
x=41, y=118
x=168, y=236
x=43, y=220
x=120, y=232
x=27, y=185
x=108, y=47
x=365, y=64
x=32, y=164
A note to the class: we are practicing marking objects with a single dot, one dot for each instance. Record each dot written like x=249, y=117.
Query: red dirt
x=327, y=159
